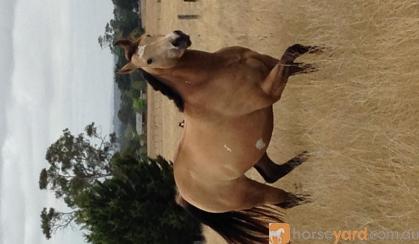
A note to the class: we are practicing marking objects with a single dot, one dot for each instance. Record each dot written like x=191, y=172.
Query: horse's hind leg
x=272, y=172
x=245, y=193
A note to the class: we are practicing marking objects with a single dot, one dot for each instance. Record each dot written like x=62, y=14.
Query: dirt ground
x=358, y=116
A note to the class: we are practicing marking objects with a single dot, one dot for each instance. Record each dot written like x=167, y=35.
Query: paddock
x=358, y=116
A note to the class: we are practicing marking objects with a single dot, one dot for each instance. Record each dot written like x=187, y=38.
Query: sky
x=53, y=75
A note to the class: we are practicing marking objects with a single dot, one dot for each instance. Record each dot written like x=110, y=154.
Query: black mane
x=164, y=89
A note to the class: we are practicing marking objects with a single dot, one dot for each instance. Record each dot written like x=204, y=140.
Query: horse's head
x=154, y=52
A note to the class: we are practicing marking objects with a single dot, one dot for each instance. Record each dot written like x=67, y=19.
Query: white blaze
x=140, y=51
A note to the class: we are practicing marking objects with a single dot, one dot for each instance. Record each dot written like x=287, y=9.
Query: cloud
x=6, y=66
x=60, y=79
x=6, y=61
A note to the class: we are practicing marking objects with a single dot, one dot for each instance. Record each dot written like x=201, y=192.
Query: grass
x=360, y=113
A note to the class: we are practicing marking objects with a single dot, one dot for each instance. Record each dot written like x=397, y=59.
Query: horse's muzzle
x=182, y=40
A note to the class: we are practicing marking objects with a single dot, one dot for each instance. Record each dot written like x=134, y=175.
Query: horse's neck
x=198, y=59
x=193, y=69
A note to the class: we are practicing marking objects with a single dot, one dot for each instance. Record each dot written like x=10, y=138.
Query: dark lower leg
x=296, y=50
x=272, y=172
x=299, y=68
x=292, y=53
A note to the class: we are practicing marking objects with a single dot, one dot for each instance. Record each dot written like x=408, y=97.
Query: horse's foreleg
x=267, y=60
x=272, y=172
x=275, y=82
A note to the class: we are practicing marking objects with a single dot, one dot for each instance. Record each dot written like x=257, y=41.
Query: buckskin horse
x=227, y=99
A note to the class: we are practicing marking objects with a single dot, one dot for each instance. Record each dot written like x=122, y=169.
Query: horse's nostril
x=175, y=42
x=182, y=41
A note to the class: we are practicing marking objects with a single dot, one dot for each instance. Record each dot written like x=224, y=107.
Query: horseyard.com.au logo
x=279, y=233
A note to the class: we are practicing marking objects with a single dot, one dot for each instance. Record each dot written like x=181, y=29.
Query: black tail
x=244, y=227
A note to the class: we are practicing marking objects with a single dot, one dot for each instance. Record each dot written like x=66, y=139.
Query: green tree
x=139, y=105
x=124, y=23
x=52, y=221
x=126, y=112
x=114, y=197
x=131, y=5
x=137, y=205
x=75, y=162
x=108, y=37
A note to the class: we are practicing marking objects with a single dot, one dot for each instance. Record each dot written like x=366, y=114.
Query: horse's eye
x=149, y=61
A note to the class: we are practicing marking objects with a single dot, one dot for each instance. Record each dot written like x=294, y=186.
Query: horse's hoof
x=298, y=49
x=293, y=200
x=316, y=49
x=299, y=159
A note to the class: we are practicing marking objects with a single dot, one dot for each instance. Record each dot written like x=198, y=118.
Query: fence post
x=188, y=16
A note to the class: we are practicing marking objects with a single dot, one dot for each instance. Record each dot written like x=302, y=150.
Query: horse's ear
x=128, y=47
x=126, y=69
